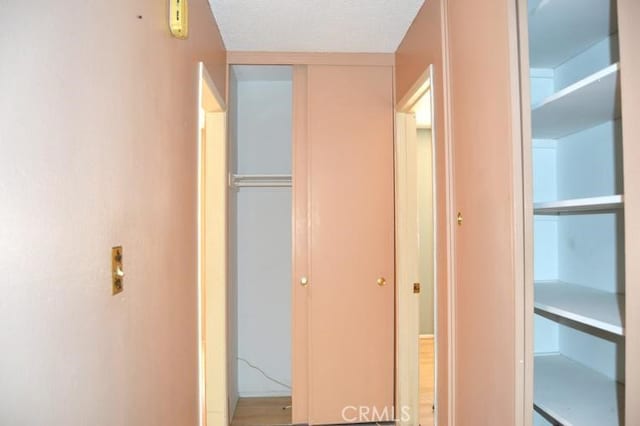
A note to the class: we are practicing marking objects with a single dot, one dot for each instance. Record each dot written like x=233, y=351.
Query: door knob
x=304, y=281
x=381, y=281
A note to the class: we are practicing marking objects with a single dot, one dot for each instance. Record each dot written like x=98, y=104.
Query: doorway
x=416, y=242
x=426, y=255
x=260, y=251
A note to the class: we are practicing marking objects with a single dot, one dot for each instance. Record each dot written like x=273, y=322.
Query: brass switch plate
x=117, y=273
x=416, y=288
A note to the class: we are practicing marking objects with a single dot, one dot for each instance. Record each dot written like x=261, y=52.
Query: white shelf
x=575, y=395
x=560, y=29
x=585, y=104
x=595, y=308
x=584, y=205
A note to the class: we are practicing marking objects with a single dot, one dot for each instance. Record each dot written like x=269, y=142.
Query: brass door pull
x=304, y=281
x=459, y=219
x=381, y=281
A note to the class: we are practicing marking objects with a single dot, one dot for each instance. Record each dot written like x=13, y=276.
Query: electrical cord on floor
x=264, y=374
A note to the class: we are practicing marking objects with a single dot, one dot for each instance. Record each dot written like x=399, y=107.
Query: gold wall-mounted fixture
x=179, y=18
x=381, y=281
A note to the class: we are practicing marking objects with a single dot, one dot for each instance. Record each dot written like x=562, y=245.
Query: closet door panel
x=351, y=196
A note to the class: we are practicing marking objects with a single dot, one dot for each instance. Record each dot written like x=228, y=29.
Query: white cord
x=263, y=373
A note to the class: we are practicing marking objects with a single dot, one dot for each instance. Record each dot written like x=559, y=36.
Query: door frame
x=524, y=206
x=407, y=310
x=212, y=251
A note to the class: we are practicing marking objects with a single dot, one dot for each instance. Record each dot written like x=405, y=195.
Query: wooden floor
x=426, y=381
x=262, y=412
x=277, y=411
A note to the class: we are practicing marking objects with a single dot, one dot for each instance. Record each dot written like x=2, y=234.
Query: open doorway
x=416, y=242
x=245, y=260
x=426, y=256
x=260, y=250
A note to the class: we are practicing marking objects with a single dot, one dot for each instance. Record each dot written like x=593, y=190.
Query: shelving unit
x=580, y=205
x=591, y=101
x=574, y=395
x=579, y=234
x=558, y=29
x=594, y=308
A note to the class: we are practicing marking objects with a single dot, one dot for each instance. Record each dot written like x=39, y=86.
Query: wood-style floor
x=262, y=412
x=426, y=381
x=277, y=411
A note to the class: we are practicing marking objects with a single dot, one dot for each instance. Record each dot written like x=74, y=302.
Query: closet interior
x=260, y=136
x=579, y=343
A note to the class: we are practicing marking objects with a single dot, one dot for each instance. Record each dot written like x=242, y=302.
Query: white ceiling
x=314, y=25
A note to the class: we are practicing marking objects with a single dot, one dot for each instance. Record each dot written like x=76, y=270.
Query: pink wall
x=423, y=46
x=98, y=127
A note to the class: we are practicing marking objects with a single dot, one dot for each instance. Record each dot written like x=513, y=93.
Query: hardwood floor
x=262, y=412
x=277, y=411
x=426, y=381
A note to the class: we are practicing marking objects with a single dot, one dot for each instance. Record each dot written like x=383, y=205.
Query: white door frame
x=407, y=256
x=212, y=252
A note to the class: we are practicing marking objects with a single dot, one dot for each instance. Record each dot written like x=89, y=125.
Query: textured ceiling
x=314, y=25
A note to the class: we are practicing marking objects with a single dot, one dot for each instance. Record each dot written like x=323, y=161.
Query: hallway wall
x=98, y=131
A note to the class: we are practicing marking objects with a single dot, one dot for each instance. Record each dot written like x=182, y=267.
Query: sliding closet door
x=349, y=199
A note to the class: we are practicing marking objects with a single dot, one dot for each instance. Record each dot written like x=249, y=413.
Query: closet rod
x=260, y=181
